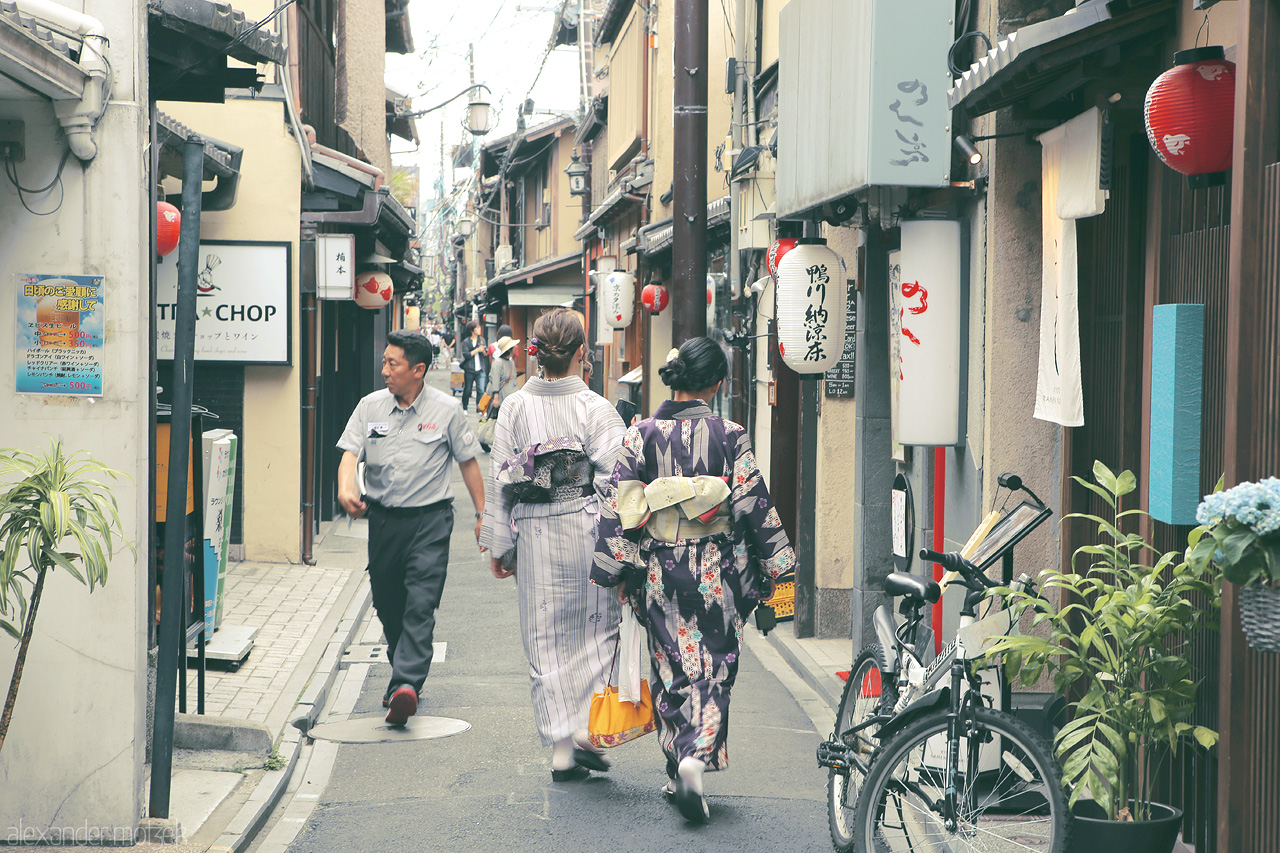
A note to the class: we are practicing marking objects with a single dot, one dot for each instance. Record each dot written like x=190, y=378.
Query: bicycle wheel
x=1009, y=798
x=865, y=693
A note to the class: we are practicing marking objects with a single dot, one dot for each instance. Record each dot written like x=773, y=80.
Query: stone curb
x=253, y=815
x=828, y=686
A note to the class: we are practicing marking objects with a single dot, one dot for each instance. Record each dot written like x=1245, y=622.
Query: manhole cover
x=374, y=729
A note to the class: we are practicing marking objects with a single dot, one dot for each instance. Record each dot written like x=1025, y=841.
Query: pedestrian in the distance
x=474, y=355
x=553, y=457
x=696, y=539
x=437, y=344
x=502, y=379
x=406, y=436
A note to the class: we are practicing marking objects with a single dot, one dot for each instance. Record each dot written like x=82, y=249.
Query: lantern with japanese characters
x=811, y=303
x=1190, y=115
x=617, y=298
x=373, y=290
x=924, y=325
x=775, y=254
x=655, y=298
x=168, y=228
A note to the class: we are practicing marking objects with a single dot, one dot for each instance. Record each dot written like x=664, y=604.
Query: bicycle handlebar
x=953, y=561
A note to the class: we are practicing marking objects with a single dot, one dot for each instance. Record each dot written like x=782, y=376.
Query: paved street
x=490, y=788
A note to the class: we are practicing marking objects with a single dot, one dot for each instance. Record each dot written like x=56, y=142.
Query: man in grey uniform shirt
x=406, y=436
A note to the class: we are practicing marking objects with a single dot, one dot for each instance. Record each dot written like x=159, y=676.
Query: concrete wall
x=267, y=208
x=74, y=754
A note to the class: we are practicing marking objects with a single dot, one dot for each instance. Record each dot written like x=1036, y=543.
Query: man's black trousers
x=408, y=560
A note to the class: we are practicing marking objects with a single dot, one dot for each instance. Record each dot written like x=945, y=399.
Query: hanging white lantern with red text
x=925, y=317
x=373, y=290
x=617, y=298
x=811, y=301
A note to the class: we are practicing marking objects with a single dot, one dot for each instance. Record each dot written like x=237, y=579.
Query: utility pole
x=689, y=252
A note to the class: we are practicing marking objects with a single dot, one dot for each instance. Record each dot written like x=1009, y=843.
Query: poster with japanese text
x=59, y=340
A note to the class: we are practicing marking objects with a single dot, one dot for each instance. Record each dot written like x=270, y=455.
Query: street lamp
x=478, y=113
x=577, y=172
x=466, y=225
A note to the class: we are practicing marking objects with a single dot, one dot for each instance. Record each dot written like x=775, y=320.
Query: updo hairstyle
x=559, y=333
x=699, y=364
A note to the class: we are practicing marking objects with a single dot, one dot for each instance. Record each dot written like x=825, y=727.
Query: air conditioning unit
x=502, y=257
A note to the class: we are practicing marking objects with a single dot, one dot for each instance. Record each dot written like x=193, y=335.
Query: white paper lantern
x=373, y=290
x=925, y=305
x=811, y=297
x=617, y=298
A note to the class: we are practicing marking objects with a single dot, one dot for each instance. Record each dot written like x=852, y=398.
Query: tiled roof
x=9, y=11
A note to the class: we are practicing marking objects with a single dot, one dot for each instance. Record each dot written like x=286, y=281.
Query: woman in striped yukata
x=695, y=538
x=554, y=451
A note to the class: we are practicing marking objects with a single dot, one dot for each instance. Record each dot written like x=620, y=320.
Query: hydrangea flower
x=1254, y=505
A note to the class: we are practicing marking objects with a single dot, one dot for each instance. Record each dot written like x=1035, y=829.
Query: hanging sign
x=59, y=335
x=243, y=302
x=335, y=266
x=926, y=321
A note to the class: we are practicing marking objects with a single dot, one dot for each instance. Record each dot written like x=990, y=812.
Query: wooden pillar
x=1257, y=135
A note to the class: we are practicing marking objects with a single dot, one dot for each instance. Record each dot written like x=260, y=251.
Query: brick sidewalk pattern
x=287, y=604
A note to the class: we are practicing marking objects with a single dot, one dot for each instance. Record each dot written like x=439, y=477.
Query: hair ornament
x=532, y=347
x=673, y=355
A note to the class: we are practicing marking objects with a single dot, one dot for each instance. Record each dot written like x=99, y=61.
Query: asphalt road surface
x=490, y=788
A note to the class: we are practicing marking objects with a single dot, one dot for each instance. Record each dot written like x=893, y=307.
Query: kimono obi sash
x=676, y=508
x=547, y=472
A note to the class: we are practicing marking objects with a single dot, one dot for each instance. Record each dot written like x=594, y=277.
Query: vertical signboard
x=927, y=302
x=59, y=335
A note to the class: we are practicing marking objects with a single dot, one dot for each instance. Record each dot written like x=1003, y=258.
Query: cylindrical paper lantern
x=655, y=298
x=373, y=290
x=1190, y=115
x=168, y=228
x=811, y=297
x=617, y=298
x=774, y=256
x=925, y=320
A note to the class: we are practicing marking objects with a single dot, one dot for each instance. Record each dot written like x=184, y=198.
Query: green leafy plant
x=58, y=500
x=1241, y=533
x=1117, y=646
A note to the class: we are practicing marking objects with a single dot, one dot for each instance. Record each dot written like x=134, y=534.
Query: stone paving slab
x=288, y=605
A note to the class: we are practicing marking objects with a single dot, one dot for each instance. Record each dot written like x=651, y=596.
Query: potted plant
x=1117, y=647
x=1242, y=539
x=57, y=501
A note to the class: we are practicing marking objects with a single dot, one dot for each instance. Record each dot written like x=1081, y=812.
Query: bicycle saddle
x=900, y=583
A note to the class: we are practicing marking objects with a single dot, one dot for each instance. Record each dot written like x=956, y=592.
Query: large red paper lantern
x=655, y=298
x=1190, y=115
x=168, y=228
x=774, y=256
x=373, y=290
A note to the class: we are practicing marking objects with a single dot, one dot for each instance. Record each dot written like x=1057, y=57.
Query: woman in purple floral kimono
x=694, y=535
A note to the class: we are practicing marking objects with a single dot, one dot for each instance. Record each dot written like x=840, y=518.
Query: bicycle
x=914, y=761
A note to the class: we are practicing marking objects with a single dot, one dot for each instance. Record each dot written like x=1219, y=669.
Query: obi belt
x=548, y=472
x=676, y=508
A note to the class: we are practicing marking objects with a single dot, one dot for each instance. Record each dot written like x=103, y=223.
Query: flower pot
x=1260, y=616
x=1093, y=833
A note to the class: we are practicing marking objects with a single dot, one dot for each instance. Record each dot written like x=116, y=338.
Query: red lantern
x=655, y=298
x=168, y=228
x=774, y=256
x=1190, y=115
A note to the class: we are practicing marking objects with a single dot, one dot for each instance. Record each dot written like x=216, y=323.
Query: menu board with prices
x=839, y=379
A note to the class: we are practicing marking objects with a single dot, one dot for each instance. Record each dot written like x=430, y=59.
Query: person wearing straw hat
x=502, y=382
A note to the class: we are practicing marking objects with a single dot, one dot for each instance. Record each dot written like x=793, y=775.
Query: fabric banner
x=1069, y=162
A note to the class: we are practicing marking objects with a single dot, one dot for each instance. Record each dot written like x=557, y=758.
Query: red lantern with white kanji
x=617, y=298
x=775, y=254
x=373, y=290
x=168, y=228
x=1190, y=115
x=655, y=297
x=811, y=302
